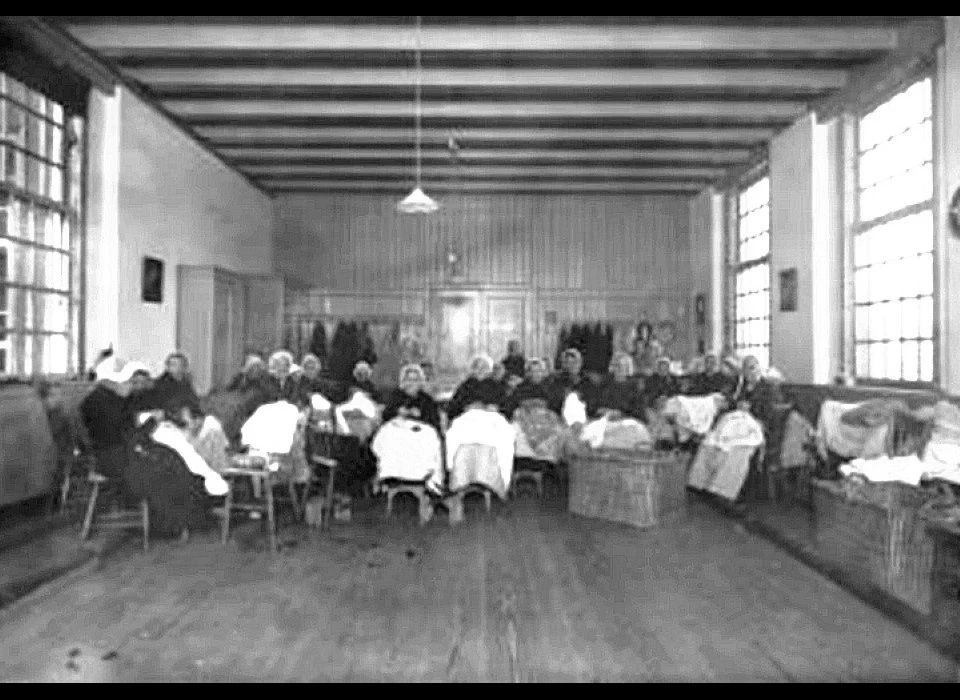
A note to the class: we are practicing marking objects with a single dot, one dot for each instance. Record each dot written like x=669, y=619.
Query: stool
x=119, y=519
x=534, y=475
x=419, y=491
x=263, y=505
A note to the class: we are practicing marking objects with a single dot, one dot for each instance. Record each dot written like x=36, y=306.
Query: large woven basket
x=875, y=533
x=639, y=488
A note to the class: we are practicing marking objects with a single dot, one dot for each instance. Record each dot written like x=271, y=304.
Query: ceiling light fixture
x=417, y=202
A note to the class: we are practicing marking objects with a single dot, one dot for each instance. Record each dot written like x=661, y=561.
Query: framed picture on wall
x=152, y=284
x=788, y=289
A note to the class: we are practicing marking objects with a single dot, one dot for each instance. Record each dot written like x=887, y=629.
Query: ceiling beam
x=168, y=78
x=113, y=39
x=279, y=109
x=704, y=156
x=299, y=134
x=401, y=187
x=484, y=171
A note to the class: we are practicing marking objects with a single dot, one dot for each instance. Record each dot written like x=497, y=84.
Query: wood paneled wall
x=581, y=257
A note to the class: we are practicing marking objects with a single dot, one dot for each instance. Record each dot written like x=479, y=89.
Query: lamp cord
x=417, y=110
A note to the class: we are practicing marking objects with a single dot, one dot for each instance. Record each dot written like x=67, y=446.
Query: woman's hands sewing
x=610, y=414
x=409, y=412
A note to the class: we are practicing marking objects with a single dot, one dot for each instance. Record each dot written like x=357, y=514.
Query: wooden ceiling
x=510, y=104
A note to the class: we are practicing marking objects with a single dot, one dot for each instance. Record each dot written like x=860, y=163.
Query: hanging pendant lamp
x=417, y=202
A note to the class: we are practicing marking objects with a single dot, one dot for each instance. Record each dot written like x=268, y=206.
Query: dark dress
x=624, y=397
x=175, y=496
x=527, y=391
x=423, y=402
x=484, y=391
x=168, y=391
x=763, y=398
x=289, y=389
x=715, y=383
x=658, y=386
x=110, y=420
x=367, y=387
x=515, y=365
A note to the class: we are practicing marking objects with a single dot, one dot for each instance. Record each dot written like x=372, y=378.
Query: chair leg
x=64, y=492
x=487, y=500
x=271, y=523
x=91, y=509
x=145, y=515
x=227, y=506
x=390, y=494
x=294, y=500
x=328, y=506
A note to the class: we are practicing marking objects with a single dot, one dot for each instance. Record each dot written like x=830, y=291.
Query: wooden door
x=228, y=328
x=505, y=320
x=453, y=337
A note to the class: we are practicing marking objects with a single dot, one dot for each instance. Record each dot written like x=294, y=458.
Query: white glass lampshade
x=417, y=203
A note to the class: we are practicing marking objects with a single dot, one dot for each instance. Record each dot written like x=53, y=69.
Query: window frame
x=733, y=264
x=75, y=292
x=854, y=226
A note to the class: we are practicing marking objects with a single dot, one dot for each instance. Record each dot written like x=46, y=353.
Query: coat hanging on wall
x=562, y=341
x=318, y=342
x=368, y=352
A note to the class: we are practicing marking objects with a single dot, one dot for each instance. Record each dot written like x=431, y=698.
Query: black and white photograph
x=479, y=349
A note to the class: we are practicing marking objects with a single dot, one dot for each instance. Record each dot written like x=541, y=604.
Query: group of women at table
x=490, y=423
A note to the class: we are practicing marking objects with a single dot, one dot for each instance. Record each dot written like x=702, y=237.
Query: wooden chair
x=104, y=490
x=264, y=482
x=528, y=474
x=321, y=451
x=75, y=485
x=418, y=491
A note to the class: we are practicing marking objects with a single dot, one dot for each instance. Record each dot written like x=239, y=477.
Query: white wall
x=806, y=225
x=950, y=150
x=175, y=202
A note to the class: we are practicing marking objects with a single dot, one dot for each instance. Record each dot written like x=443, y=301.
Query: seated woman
x=253, y=376
x=722, y=462
x=755, y=394
x=711, y=380
x=571, y=377
x=534, y=410
x=177, y=486
x=362, y=380
x=174, y=385
x=480, y=441
x=658, y=389
x=615, y=409
x=109, y=416
x=480, y=389
x=407, y=446
x=283, y=384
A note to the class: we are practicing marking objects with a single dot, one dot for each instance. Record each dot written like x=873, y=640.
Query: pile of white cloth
x=907, y=470
x=271, y=430
x=574, y=410
x=735, y=429
x=173, y=437
x=358, y=416
x=722, y=463
x=846, y=438
x=408, y=450
x=493, y=467
x=619, y=434
x=694, y=414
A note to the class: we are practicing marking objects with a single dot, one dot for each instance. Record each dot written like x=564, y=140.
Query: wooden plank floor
x=527, y=594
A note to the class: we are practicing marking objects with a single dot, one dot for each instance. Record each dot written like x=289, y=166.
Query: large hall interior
x=489, y=349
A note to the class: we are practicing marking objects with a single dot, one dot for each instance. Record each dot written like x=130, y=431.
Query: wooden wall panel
x=360, y=242
x=572, y=258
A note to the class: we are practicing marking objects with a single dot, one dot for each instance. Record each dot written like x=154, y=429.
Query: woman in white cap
x=284, y=384
x=619, y=396
x=411, y=400
x=362, y=380
x=479, y=389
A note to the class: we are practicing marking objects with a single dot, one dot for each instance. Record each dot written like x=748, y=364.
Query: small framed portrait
x=788, y=289
x=152, y=284
x=700, y=307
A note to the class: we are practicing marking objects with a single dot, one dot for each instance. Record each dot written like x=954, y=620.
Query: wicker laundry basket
x=639, y=488
x=874, y=532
